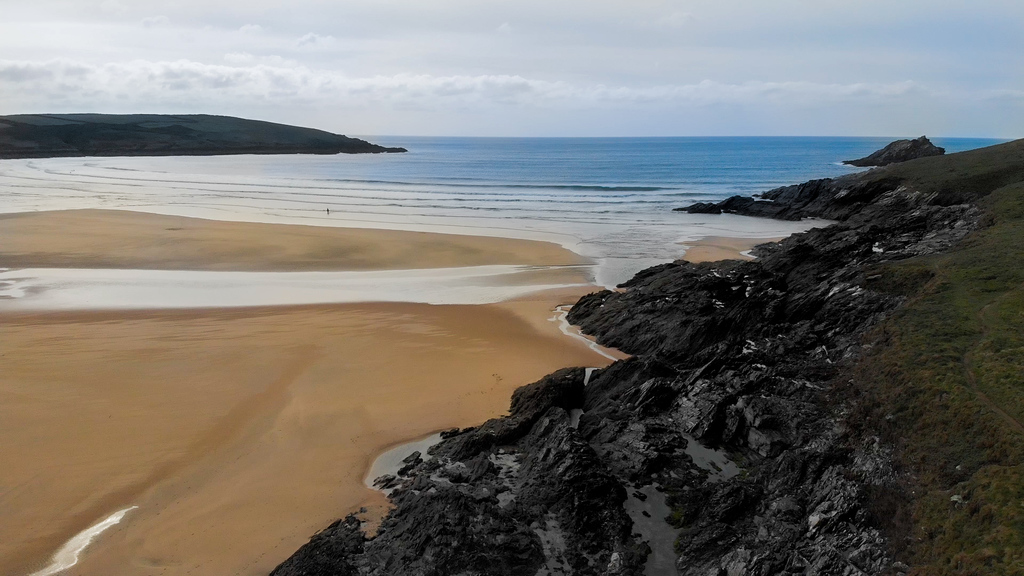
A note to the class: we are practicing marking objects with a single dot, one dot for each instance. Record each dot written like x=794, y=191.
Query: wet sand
x=124, y=239
x=715, y=248
x=237, y=433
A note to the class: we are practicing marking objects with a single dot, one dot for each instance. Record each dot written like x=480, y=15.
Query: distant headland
x=62, y=135
x=899, y=151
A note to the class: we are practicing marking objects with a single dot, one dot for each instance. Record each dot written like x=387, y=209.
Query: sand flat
x=715, y=248
x=126, y=239
x=238, y=433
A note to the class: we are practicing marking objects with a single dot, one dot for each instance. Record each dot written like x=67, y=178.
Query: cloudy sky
x=530, y=67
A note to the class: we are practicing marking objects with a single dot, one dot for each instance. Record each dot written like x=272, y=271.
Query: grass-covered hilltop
x=866, y=380
x=58, y=135
x=942, y=381
x=945, y=385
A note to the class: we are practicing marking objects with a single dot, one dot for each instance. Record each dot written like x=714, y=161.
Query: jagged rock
x=703, y=208
x=328, y=553
x=834, y=199
x=516, y=495
x=734, y=364
x=899, y=151
x=563, y=389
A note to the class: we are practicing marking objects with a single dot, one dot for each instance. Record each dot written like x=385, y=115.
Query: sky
x=530, y=67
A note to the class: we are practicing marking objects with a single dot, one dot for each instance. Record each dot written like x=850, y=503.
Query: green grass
x=944, y=382
x=961, y=177
x=946, y=385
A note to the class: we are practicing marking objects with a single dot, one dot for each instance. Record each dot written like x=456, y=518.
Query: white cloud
x=676, y=19
x=696, y=65
x=246, y=59
x=273, y=88
x=313, y=41
x=113, y=7
x=248, y=77
x=239, y=58
x=152, y=21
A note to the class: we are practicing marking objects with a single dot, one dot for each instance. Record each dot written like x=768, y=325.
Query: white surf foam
x=68, y=554
x=560, y=316
x=104, y=289
x=623, y=232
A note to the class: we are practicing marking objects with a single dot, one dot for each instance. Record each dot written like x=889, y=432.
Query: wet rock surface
x=524, y=494
x=747, y=359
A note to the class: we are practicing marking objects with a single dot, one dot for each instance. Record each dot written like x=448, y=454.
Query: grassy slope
x=46, y=135
x=947, y=385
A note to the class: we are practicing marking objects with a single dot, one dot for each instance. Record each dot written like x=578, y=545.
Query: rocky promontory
x=61, y=135
x=899, y=151
x=727, y=444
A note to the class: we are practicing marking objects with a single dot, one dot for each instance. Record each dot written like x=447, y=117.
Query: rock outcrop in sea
x=899, y=151
x=720, y=448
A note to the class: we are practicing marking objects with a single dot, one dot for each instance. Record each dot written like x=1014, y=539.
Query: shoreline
x=298, y=192
x=206, y=354
x=127, y=239
x=491, y=348
x=717, y=248
x=56, y=289
x=791, y=367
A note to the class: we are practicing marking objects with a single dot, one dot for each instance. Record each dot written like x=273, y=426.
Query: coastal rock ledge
x=725, y=446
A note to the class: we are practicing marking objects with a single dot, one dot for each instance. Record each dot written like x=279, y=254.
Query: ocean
x=610, y=199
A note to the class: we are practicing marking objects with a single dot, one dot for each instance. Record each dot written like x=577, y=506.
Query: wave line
x=68, y=554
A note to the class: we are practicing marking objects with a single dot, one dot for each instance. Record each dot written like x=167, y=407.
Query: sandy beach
x=239, y=432
x=713, y=248
x=125, y=239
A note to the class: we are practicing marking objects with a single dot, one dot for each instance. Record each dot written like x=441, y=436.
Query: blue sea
x=621, y=169
x=607, y=198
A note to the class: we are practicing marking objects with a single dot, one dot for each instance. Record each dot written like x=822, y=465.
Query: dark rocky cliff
x=946, y=180
x=59, y=135
x=724, y=444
